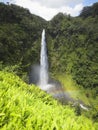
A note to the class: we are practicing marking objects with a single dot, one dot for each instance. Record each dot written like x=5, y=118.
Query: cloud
x=48, y=8
x=57, y=3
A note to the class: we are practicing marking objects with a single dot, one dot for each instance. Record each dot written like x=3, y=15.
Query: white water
x=83, y=107
x=43, y=83
x=43, y=63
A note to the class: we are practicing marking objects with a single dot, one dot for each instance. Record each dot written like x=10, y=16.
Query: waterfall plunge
x=43, y=64
x=54, y=88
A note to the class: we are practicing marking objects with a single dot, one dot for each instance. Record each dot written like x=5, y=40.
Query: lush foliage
x=20, y=34
x=90, y=11
x=73, y=47
x=73, y=58
x=87, y=96
x=72, y=42
x=24, y=107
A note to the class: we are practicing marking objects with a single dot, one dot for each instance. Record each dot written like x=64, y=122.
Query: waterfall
x=43, y=63
x=52, y=86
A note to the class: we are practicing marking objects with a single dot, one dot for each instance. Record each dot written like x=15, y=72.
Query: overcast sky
x=48, y=8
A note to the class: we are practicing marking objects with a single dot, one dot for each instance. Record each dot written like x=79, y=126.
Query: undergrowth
x=88, y=96
x=26, y=107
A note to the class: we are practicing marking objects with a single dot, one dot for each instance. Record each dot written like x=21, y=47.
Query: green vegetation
x=20, y=34
x=73, y=48
x=87, y=96
x=73, y=60
x=24, y=107
x=90, y=11
x=72, y=42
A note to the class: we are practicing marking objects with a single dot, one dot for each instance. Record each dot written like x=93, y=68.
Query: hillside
x=72, y=40
x=73, y=48
x=72, y=44
x=20, y=33
x=24, y=107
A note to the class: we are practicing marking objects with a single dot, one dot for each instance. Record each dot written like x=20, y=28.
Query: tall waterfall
x=43, y=63
x=51, y=86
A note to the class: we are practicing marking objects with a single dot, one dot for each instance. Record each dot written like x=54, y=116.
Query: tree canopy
x=72, y=41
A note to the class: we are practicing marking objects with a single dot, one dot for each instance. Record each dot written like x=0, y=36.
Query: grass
x=76, y=91
x=88, y=96
x=26, y=107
